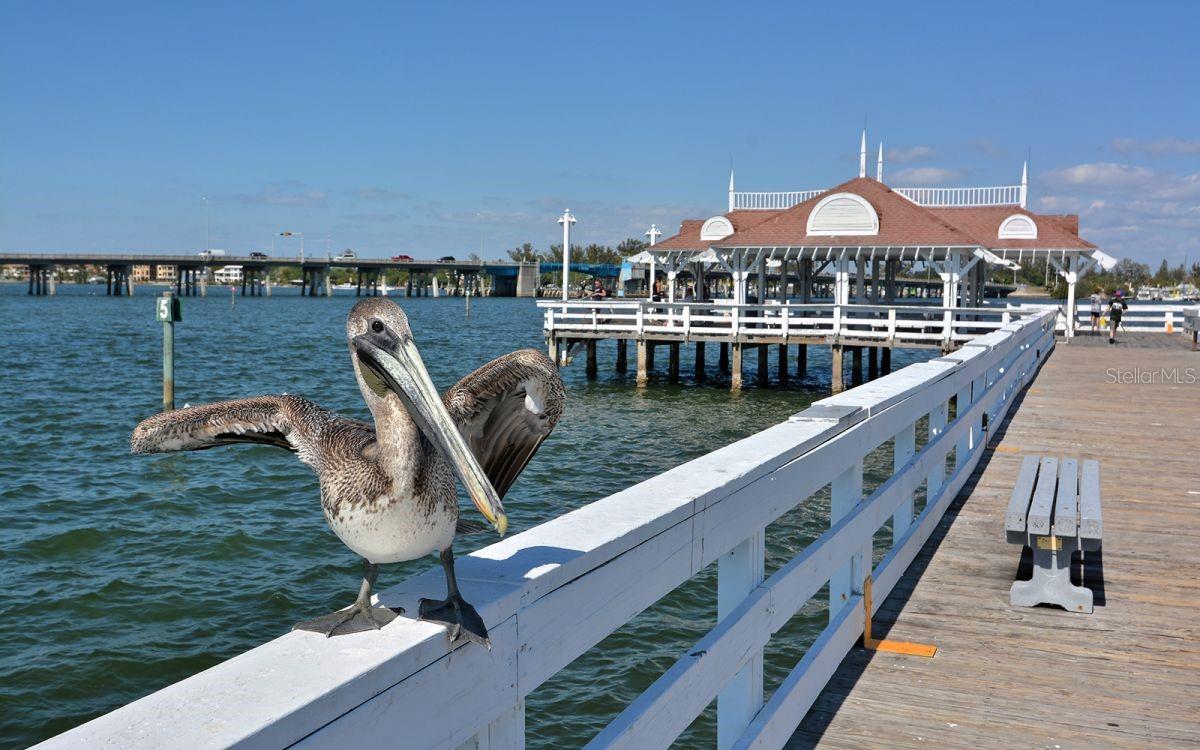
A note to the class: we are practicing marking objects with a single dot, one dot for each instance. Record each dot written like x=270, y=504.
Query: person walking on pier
x=1116, y=308
x=1097, y=300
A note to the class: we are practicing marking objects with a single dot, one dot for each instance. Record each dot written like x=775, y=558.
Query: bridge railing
x=1165, y=317
x=916, y=325
x=551, y=593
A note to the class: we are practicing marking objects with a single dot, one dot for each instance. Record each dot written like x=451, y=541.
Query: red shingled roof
x=901, y=222
x=1054, y=231
x=688, y=237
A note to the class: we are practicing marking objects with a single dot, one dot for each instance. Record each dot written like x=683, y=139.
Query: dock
x=953, y=430
x=1126, y=676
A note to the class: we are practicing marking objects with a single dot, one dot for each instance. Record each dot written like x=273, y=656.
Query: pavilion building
x=863, y=229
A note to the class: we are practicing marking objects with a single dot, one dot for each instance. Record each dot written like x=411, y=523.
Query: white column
x=566, y=220
x=1072, y=275
x=841, y=281
x=738, y=572
x=847, y=492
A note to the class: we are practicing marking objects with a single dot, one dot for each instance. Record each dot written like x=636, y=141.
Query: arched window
x=843, y=214
x=716, y=228
x=1018, y=227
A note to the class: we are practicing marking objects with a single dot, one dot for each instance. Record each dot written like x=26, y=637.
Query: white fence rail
x=912, y=325
x=551, y=593
x=1157, y=318
x=1004, y=195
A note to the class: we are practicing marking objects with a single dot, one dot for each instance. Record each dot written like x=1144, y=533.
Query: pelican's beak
x=396, y=362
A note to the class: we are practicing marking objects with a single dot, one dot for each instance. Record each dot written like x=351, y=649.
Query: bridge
x=508, y=278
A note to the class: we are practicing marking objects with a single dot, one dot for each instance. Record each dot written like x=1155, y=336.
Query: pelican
x=388, y=491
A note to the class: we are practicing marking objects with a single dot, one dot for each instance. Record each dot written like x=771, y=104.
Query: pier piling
x=723, y=359
x=673, y=362
x=856, y=363
x=838, y=383
x=622, y=353
x=701, y=376
x=783, y=363
x=764, y=365
x=591, y=358
x=643, y=362
x=801, y=361
x=736, y=372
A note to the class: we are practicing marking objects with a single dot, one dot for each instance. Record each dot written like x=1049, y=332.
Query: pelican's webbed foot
x=453, y=611
x=457, y=615
x=358, y=617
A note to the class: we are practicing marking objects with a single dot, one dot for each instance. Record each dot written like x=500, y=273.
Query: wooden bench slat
x=1018, y=504
x=1090, y=523
x=1066, y=503
x=1043, y=498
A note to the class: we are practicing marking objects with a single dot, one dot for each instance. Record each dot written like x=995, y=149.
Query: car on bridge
x=210, y=254
x=446, y=259
x=402, y=258
x=347, y=254
x=259, y=256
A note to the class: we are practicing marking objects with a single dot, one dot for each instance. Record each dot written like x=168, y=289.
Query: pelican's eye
x=377, y=326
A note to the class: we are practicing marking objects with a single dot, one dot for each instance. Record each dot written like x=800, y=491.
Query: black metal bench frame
x=1055, y=511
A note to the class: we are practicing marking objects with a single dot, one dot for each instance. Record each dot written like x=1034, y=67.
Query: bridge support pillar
x=783, y=363
x=801, y=361
x=622, y=352
x=643, y=362
x=673, y=362
x=701, y=376
x=591, y=359
x=837, y=376
x=735, y=377
x=723, y=358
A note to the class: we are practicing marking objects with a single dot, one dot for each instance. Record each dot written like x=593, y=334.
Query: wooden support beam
x=723, y=359
x=591, y=358
x=736, y=372
x=837, y=376
x=872, y=362
x=622, y=353
x=552, y=349
x=650, y=355
x=673, y=362
x=701, y=376
x=764, y=365
x=801, y=360
x=856, y=369
x=783, y=363
x=643, y=362
x=885, y=366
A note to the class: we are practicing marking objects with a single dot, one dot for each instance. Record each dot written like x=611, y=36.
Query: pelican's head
x=388, y=365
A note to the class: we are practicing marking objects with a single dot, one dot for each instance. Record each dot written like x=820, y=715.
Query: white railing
x=772, y=201
x=1006, y=195
x=913, y=325
x=1149, y=318
x=1003, y=195
x=551, y=593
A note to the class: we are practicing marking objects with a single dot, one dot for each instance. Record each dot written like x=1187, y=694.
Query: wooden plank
x=1042, y=507
x=1091, y=525
x=1130, y=671
x=1022, y=495
x=1066, y=501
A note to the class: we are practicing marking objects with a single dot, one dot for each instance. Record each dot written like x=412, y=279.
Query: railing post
x=507, y=732
x=786, y=320
x=846, y=492
x=937, y=475
x=687, y=320
x=738, y=572
x=962, y=449
x=903, y=447
x=641, y=319
x=891, y=329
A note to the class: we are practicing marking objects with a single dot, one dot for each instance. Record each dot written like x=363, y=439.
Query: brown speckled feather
x=505, y=410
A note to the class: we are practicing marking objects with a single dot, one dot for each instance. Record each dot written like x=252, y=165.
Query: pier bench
x=1191, y=324
x=1055, y=511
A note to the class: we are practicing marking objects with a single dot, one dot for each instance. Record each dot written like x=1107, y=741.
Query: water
x=120, y=575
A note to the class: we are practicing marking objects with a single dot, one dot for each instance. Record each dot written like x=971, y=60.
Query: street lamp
x=207, y=224
x=296, y=234
x=566, y=220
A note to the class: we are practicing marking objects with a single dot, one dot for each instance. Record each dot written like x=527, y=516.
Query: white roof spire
x=879, y=164
x=862, y=155
x=1024, y=182
x=730, y=185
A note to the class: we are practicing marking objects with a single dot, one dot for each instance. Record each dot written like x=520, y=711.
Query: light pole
x=301, y=236
x=653, y=234
x=207, y=223
x=566, y=220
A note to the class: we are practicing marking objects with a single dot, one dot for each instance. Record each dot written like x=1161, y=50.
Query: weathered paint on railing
x=551, y=593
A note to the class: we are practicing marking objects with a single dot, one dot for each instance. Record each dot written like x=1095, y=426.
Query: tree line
x=579, y=253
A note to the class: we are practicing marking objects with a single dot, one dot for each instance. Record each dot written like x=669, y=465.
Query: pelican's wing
x=289, y=422
x=505, y=410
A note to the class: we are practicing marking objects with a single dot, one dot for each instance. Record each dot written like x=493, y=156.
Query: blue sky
x=432, y=129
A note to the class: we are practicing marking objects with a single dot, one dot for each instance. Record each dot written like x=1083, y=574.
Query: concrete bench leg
x=1051, y=584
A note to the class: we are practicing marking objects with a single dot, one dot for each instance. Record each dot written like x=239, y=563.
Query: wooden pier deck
x=1127, y=675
